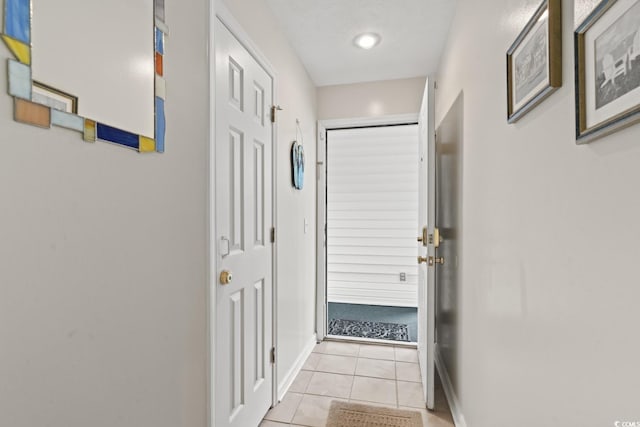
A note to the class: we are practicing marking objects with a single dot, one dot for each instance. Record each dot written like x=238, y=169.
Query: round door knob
x=226, y=277
x=422, y=259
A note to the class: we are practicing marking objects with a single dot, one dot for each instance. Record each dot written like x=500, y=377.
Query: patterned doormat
x=343, y=414
x=363, y=329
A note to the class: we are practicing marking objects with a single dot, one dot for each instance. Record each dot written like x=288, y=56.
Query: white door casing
x=426, y=217
x=321, y=234
x=243, y=219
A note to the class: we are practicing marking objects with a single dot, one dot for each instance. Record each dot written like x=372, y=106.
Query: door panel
x=243, y=372
x=236, y=187
x=449, y=219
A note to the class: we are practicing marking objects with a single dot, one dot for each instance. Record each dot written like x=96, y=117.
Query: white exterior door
x=426, y=274
x=243, y=219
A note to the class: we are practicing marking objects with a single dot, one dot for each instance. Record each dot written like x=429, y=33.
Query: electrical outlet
x=403, y=277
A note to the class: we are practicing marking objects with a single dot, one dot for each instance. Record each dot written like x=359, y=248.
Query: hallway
x=371, y=374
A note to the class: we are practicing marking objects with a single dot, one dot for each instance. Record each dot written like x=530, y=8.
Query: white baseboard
x=452, y=399
x=291, y=375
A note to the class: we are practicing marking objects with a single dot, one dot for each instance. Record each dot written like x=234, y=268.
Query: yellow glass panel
x=20, y=50
x=89, y=130
x=147, y=145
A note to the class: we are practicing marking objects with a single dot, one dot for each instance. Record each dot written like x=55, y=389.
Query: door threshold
x=359, y=340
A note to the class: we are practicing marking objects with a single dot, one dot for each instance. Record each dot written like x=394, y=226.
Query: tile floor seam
x=353, y=381
x=376, y=378
x=378, y=358
x=296, y=411
x=397, y=393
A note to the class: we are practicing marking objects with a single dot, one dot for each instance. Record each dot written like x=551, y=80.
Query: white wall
x=372, y=215
x=296, y=249
x=103, y=282
x=371, y=99
x=548, y=307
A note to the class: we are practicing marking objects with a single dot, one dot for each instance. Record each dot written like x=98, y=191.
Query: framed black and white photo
x=534, y=61
x=607, y=49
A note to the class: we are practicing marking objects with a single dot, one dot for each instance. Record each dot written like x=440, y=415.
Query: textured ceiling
x=322, y=32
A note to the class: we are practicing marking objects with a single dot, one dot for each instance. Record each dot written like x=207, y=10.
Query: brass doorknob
x=422, y=260
x=225, y=277
x=439, y=260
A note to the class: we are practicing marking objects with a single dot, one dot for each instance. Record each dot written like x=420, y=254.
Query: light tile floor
x=372, y=374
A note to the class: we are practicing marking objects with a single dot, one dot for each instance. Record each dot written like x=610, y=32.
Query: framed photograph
x=54, y=98
x=607, y=49
x=534, y=61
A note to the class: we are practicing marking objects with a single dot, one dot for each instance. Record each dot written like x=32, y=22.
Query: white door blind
x=372, y=215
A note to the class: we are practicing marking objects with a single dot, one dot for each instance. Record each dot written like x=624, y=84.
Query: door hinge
x=272, y=355
x=274, y=108
x=273, y=234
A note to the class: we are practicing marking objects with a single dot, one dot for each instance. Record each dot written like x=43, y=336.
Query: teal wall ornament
x=297, y=159
x=297, y=165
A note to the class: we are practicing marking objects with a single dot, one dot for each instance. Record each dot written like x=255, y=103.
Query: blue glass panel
x=67, y=120
x=111, y=134
x=159, y=41
x=18, y=20
x=19, y=80
x=161, y=125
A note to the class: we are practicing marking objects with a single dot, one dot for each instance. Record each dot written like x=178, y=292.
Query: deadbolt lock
x=435, y=239
x=424, y=237
x=226, y=277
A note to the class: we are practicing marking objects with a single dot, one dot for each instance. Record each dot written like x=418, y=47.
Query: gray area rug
x=365, y=329
x=343, y=414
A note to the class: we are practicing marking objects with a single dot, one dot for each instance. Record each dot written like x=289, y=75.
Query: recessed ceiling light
x=367, y=40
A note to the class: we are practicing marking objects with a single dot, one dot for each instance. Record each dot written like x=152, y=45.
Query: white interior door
x=243, y=153
x=426, y=218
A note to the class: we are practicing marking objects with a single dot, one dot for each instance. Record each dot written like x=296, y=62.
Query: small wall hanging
x=297, y=160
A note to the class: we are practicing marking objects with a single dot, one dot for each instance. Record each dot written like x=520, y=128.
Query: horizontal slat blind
x=372, y=215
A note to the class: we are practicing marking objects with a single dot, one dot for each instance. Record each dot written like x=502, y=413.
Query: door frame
x=218, y=10
x=321, y=206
